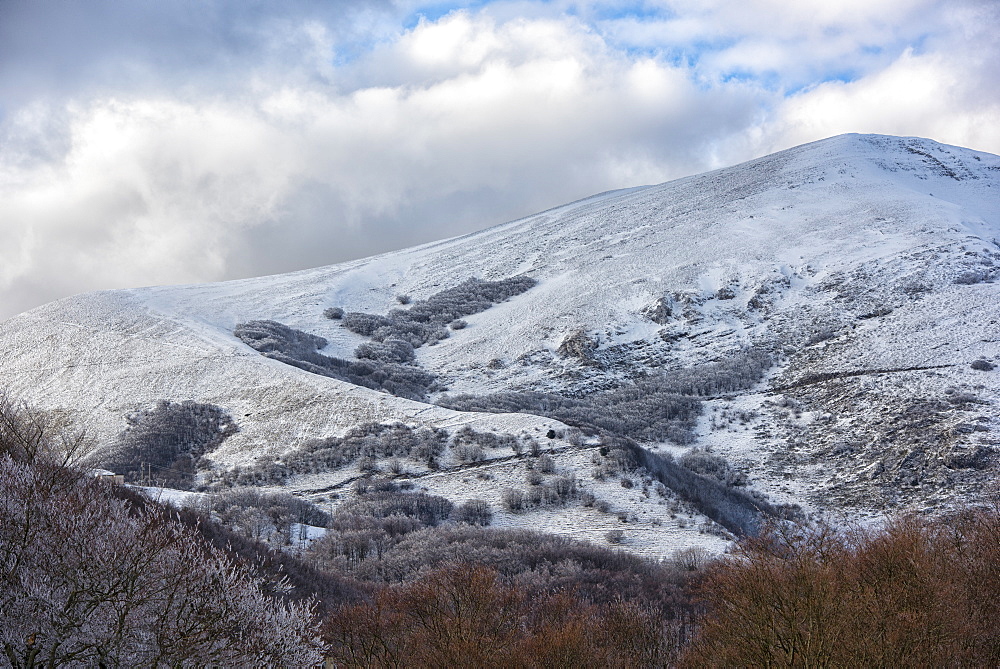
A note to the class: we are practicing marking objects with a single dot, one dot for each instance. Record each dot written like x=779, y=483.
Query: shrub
x=94, y=579
x=693, y=558
x=821, y=333
x=371, y=441
x=474, y=512
x=300, y=349
x=662, y=407
x=469, y=452
x=261, y=516
x=170, y=438
x=362, y=323
x=428, y=509
x=983, y=365
x=27, y=435
x=512, y=500
x=565, y=487
x=426, y=321
x=471, y=615
x=707, y=464
x=735, y=510
x=658, y=408
x=971, y=277
x=387, y=362
x=390, y=350
x=921, y=592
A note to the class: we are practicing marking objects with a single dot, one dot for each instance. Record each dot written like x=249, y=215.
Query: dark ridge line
x=451, y=470
x=812, y=379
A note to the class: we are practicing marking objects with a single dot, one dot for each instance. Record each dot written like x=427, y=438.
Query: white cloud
x=324, y=141
x=948, y=93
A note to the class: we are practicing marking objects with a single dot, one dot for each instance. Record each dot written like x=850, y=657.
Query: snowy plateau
x=865, y=268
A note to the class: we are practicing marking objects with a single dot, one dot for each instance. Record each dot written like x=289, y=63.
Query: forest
x=95, y=574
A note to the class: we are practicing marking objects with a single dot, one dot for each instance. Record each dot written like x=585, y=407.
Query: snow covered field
x=871, y=260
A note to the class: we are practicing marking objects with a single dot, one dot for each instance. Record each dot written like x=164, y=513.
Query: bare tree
x=28, y=434
x=88, y=577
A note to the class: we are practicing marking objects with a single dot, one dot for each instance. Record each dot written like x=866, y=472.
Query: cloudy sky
x=146, y=142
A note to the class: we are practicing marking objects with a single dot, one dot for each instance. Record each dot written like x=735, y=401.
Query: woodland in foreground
x=95, y=574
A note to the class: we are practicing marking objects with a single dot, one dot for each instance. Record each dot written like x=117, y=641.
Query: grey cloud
x=75, y=46
x=198, y=141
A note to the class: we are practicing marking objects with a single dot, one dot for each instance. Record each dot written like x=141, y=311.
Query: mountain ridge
x=855, y=253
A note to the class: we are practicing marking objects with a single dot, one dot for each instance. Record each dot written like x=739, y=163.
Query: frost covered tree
x=90, y=578
x=170, y=436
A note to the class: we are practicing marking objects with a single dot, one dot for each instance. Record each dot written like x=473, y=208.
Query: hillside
x=862, y=269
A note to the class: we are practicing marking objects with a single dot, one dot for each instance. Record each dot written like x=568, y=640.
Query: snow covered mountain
x=843, y=295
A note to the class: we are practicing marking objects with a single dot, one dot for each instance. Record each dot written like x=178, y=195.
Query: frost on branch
x=91, y=579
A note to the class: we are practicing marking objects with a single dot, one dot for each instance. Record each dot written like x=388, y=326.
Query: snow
x=653, y=528
x=171, y=496
x=811, y=232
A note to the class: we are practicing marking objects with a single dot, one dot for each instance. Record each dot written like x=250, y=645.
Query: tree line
x=93, y=574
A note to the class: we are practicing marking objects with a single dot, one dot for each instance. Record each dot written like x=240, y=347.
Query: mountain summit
x=829, y=316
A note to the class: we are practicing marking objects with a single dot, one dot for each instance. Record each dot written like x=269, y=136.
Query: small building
x=108, y=476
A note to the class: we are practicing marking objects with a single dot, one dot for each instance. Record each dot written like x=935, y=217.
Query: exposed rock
x=578, y=344
x=659, y=312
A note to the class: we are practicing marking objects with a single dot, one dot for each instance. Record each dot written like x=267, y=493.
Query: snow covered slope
x=867, y=265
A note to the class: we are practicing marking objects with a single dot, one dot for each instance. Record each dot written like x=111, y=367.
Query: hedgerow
x=427, y=321
x=385, y=368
